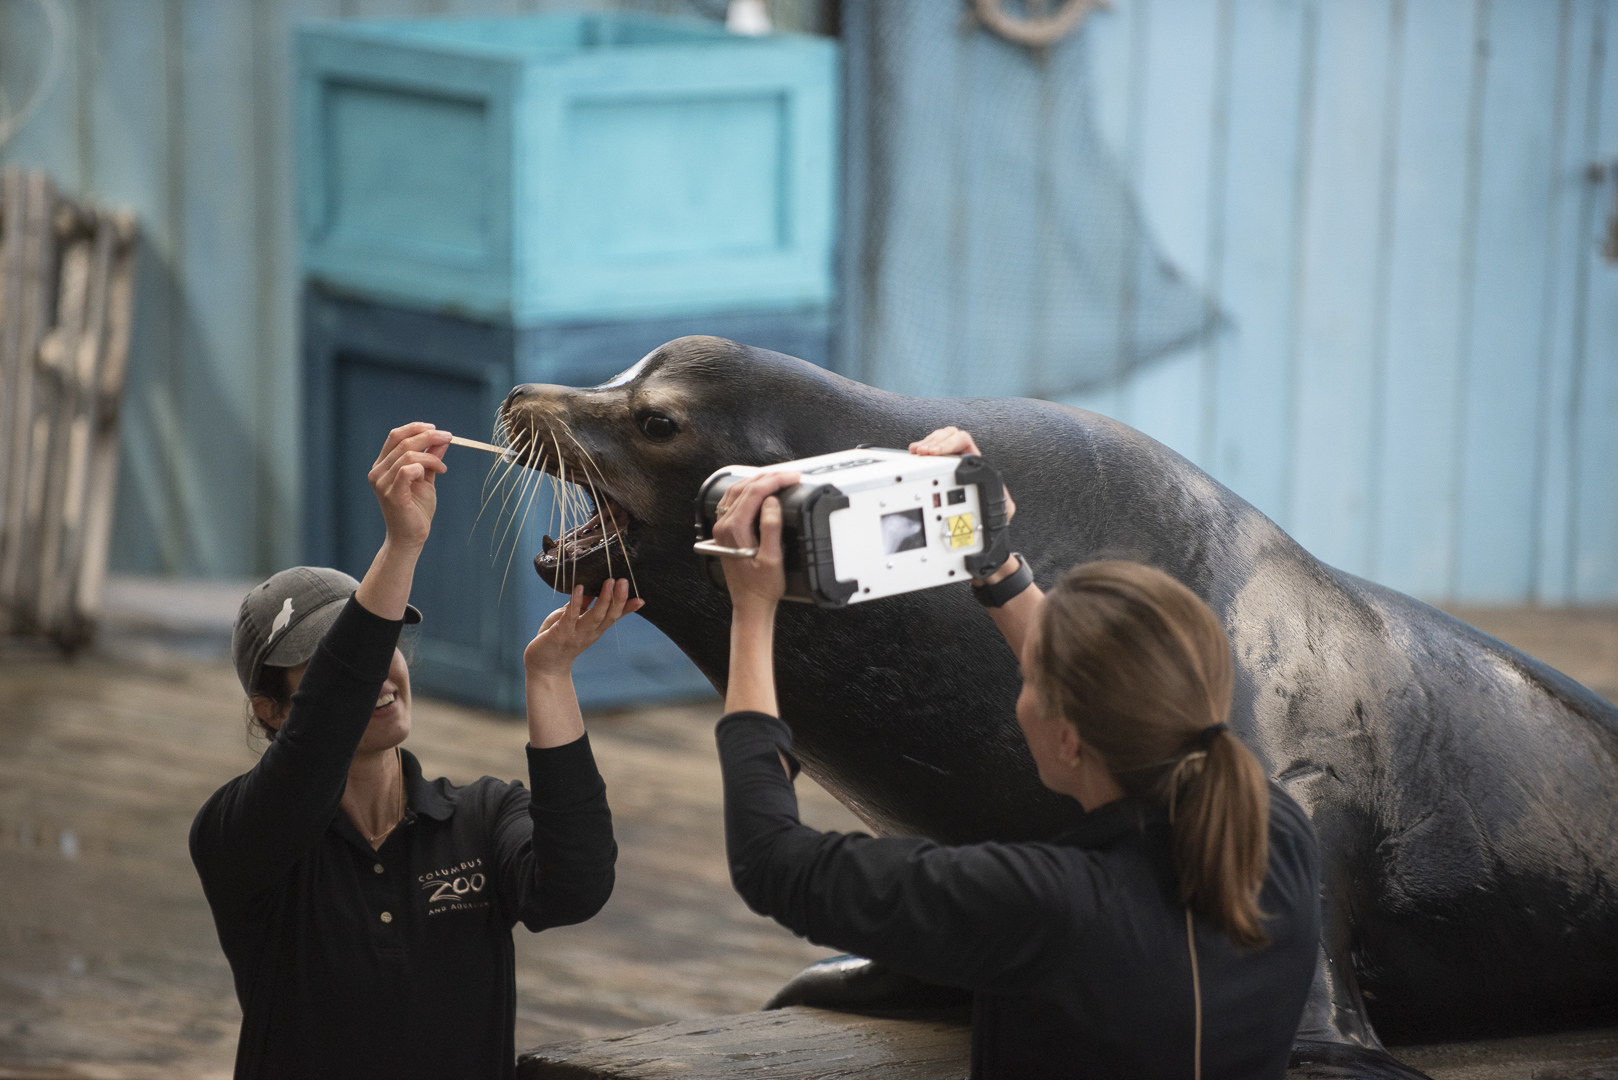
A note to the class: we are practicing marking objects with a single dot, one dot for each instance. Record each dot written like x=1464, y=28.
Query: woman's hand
x=554, y=718
x=949, y=441
x=750, y=517
x=575, y=626
x=402, y=478
x=1015, y=618
x=411, y=458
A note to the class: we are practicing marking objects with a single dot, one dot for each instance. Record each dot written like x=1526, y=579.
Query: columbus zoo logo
x=455, y=888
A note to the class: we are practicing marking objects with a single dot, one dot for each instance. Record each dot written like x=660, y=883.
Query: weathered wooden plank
x=12, y=202
x=25, y=479
x=1271, y=53
x=1341, y=267
x=1500, y=381
x=787, y=1044
x=101, y=481
x=812, y=1044
x=1413, y=516
x=55, y=405
x=59, y=589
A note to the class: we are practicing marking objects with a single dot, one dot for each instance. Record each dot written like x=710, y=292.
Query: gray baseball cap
x=281, y=622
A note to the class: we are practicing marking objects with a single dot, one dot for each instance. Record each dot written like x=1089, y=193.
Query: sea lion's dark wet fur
x=1465, y=794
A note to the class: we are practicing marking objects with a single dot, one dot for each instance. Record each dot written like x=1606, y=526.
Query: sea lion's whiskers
x=530, y=478
x=496, y=535
x=604, y=511
x=508, y=458
x=575, y=515
x=516, y=541
x=569, y=508
x=511, y=463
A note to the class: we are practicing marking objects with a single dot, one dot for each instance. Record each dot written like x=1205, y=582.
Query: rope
x=10, y=125
x=1037, y=30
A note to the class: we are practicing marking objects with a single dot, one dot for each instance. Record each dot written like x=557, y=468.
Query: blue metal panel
x=1270, y=65
x=1413, y=517
x=563, y=168
x=1339, y=315
x=1594, y=444
x=1179, y=95
x=216, y=273
x=1574, y=217
x=1499, y=385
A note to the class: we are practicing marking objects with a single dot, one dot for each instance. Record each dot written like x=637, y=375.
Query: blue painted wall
x=181, y=110
x=1387, y=202
x=1389, y=205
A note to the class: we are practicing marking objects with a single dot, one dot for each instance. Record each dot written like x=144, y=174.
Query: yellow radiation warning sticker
x=961, y=533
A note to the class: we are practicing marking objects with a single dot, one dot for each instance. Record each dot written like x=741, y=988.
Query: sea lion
x=1465, y=794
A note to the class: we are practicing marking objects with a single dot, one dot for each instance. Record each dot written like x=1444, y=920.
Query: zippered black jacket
x=1075, y=949
x=397, y=963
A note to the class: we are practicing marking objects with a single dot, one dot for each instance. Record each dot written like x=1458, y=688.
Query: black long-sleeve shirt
x=396, y=962
x=1075, y=949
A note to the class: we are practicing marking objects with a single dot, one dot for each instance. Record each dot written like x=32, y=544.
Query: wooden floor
x=108, y=962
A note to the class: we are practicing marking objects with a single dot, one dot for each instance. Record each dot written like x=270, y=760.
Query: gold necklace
x=398, y=758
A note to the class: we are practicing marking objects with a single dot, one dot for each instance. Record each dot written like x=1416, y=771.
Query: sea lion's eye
x=657, y=426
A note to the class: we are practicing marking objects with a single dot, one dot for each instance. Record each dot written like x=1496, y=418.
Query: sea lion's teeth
x=546, y=544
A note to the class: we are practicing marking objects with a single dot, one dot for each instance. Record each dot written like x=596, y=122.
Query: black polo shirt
x=1075, y=949
x=397, y=962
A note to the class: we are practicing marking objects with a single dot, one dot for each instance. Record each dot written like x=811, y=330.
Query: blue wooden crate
x=369, y=367
x=559, y=168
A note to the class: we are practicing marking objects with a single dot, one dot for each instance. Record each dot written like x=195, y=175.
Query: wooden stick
x=473, y=444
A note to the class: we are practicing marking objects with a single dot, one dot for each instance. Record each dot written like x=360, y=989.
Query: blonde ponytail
x=1141, y=667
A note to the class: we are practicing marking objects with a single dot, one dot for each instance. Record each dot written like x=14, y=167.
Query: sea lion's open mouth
x=606, y=525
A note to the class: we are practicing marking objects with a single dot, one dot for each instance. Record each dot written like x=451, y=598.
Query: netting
x=996, y=247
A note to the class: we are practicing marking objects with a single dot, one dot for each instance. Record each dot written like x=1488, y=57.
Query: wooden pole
x=28, y=430
x=102, y=481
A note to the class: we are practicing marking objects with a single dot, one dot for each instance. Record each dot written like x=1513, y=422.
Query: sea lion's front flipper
x=1344, y=1061
x=1335, y=1038
x=855, y=984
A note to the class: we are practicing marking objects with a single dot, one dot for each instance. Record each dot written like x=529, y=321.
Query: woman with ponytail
x=1170, y=931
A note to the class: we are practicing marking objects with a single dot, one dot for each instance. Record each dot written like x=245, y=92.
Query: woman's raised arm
x=756, y=585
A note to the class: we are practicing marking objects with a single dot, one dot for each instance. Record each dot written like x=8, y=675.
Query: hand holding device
x=758, y=579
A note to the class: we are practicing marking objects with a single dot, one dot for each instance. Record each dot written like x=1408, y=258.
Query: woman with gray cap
x=366, y=911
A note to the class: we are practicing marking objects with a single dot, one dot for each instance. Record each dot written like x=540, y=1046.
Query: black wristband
x=996, y=595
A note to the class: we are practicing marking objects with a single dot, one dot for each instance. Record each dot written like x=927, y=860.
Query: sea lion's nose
x=517, y=393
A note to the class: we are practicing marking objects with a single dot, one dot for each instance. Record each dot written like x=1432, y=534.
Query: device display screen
x=903, y=531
